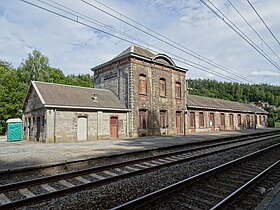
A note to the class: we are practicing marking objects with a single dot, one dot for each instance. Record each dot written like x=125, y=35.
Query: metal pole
x=54, y=126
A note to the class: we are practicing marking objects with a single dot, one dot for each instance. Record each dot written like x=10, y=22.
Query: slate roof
x=194, y=101
x=136, y=50
x=66, y=96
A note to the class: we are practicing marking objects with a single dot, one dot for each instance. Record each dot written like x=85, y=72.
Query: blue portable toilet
x=14, y=129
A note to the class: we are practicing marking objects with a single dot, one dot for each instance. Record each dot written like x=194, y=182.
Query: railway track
x=218, y=188
x=33, y=191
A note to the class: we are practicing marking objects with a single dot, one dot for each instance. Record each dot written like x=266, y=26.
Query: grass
x=277, y=124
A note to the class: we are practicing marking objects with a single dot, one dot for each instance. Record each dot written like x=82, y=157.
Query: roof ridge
x=73, y=86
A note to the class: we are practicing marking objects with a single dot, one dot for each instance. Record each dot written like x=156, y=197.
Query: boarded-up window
x=163, y=119
x=162, y=87
x=178, y=90
x=143, y=119
x=231, y=119
x=201, y=119
x=211, y=120
x=142, y=84
x=248, y=121
x=222, y=119
x=192, y=119
x=239, y=119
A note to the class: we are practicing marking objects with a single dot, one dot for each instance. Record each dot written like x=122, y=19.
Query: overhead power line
x=163, y=39
x=78, y=19
x=237, y=30
x=253, y=29
x=263, y=22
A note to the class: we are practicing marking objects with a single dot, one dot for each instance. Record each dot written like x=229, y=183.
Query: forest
x=14, y=83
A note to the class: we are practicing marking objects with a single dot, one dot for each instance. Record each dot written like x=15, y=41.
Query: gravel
x=113, y=194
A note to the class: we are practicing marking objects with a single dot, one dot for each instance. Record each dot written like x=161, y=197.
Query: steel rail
x=141, y=201
x=69, y=190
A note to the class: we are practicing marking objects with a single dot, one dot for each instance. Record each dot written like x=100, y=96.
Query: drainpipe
x=54, y=127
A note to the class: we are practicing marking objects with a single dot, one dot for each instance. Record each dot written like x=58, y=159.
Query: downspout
x=54, y=127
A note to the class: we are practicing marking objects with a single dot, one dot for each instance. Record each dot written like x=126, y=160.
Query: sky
x=189, y=26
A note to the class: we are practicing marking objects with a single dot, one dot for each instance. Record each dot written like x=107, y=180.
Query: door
x=38, y=129
x=178, y=122
x=114, y=127
x=222, y=121
x=82, y=129
x=248, y=121
x=212, y=122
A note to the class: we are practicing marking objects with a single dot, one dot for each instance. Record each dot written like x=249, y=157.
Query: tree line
x=14, y=83
x=247, y=93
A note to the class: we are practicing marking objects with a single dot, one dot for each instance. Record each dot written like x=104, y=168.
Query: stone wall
x=218, y=126
x=98, y=125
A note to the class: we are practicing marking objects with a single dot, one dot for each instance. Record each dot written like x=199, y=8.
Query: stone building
x=137, y=93
x=57, y=113
x=210, y=114
x=151, y=86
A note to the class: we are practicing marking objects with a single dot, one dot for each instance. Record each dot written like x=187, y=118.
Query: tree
x=35, y=67
x=12, y=92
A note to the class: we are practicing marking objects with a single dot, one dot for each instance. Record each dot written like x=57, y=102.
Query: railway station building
x=137, y=93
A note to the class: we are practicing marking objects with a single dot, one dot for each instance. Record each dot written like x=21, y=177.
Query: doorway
x=178, y=122
x=114, y=127
x=82, y=129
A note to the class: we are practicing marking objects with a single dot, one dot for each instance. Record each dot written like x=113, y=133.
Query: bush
x=270, y=122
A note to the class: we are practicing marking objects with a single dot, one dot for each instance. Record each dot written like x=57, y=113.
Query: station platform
x=18, y=155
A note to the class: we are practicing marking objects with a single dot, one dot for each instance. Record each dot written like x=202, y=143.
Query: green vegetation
x=14, y=83
x=277, y=124
x=236, y=92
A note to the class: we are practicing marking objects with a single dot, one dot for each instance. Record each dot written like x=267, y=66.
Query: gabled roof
x=200, y=102
x=66, y=96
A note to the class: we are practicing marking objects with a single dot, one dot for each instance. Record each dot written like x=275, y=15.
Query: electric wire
x=162, y=40
x=179, y=59
x=263, y=22
x=253, y=29
x=193, y=54
x=239, y=32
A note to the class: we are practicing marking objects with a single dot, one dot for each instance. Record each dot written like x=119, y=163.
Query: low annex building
x=59, y=113
x=211, y=114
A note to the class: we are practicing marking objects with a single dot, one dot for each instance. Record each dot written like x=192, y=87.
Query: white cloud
x=265, y=73
x=75, y=49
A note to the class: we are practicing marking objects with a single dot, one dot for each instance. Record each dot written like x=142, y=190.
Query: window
x=192, y=119
x=222, y=119
x=163, y=119
x=201, y=119
x=178, y=90
x=162, y=87
x=239, y=119
x=143, y=119
x=231, y=119
x=142, y=84
x=260, y=120
x=212, y=120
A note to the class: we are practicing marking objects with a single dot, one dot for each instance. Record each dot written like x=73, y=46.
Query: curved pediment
x=164, y=59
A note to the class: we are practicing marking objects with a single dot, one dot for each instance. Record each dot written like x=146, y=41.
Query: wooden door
x=212, y=122
x=222, y=121
x=178, y=122
x=38, y=129
x=82, y=129
x=114, y=127
x=248, y=121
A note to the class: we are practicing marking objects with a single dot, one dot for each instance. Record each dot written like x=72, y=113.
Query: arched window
x=201, y=119
x=142, y=84
x=162, y=87
x=178, y=90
